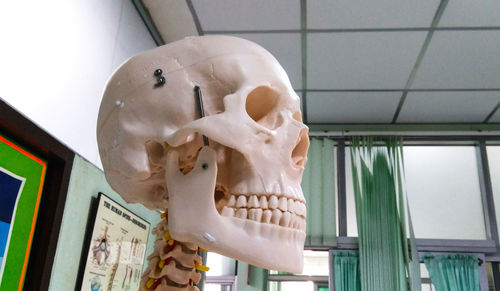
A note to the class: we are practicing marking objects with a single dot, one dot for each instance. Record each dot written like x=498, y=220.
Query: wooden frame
x=59, y=158
x=22, y=177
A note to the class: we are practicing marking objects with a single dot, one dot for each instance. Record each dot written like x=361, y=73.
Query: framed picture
x=116, y=249
x=22, y=176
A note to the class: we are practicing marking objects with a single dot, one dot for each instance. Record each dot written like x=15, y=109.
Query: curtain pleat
x=453, y=272
x=346, y=271
x=318, y=184
x=315, y=201
x=329, y=205
x=386, y=261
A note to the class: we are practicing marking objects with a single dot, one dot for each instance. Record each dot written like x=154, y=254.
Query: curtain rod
x=430, y=134
x=459, y=128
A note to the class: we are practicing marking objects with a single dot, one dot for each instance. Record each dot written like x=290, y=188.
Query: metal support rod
x=331, y=273
x=434, y=245
x=496, y=275
x=483, y=274
x=202, y=111
x=341, y=190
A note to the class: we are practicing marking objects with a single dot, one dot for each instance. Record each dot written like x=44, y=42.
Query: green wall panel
x=86, y=182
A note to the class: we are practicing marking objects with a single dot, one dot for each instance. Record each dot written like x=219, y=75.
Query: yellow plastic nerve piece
x=161, y=264
x=166, y=235
x=150, y=282
x=163, y=215
x=170, y=242
x=201, y=268
x=203, y=250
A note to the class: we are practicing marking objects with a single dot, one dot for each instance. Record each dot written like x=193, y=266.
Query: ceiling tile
x=248, y=15
x=342, y=14
x=448, y=107
x=471, y=13
x=285, y=47
x=351, y=107
x=461, y=59
x=375, y=60
x=496, y=117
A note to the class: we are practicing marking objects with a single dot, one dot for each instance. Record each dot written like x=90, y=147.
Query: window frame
x=488, y=249
x=222, y=280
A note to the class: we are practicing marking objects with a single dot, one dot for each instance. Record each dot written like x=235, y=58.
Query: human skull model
x=241, y=195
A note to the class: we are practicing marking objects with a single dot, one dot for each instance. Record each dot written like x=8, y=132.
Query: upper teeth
x=253, y=202
x=241, y=202
x=273, y=202
x=282, y=211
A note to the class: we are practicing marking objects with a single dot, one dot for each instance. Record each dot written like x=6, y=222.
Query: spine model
x=172, y=265
x=114, y=268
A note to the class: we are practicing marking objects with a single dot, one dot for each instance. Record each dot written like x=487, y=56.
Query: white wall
x=55, y=58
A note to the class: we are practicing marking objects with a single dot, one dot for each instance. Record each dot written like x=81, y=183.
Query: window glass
x=315, y=264
x=443, y=191
x=216, y=287
x=220, y=265
x=426, y=281
x=291, y=286
x=494, y=164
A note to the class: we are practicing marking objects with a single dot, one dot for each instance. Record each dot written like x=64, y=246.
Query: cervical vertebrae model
x=240, y=195
x=173, y=264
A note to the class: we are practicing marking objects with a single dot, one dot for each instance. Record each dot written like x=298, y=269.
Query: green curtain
x=346, y=271
x=386, y=260
x=318, y=184
x=453, y=272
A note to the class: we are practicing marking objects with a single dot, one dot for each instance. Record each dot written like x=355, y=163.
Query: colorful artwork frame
x=25, y=172
x=115, y=250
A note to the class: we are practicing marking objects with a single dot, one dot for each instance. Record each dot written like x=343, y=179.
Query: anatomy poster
x=117, y=249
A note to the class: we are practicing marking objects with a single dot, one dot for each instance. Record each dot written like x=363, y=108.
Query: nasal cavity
x=261, y=106
x=299, y=153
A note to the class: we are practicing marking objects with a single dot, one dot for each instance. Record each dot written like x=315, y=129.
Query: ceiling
x=370, y=62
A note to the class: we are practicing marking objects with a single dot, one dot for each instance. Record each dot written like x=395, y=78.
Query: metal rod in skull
x=238, y=195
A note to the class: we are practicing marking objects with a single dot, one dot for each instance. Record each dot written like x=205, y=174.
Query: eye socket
x=156, y=152
x=260, y=102
x=261, y=106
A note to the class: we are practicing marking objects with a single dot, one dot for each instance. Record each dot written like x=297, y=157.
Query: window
x=314, y=276
x=315, y=264
x=443, y=189
x=291, y=286
x=220, y=265
x=446, y=199
x=217, y=287
x=222, y=273
x=426, y=280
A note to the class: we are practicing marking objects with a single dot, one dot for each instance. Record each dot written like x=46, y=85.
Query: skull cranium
x=258, y=143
